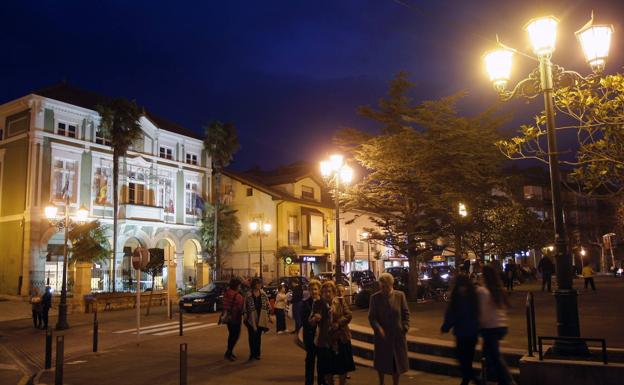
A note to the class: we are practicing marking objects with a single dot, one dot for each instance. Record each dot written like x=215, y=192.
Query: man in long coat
x=389, y=315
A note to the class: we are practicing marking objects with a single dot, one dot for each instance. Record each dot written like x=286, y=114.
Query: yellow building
x=294, y=202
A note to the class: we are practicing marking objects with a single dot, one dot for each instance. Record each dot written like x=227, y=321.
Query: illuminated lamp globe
x=595, y=41
x=498, y=66
x=543, y=35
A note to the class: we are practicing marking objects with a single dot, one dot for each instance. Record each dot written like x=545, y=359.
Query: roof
x=70, y=94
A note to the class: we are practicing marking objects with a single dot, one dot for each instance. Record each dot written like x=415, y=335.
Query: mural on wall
x=102, y=190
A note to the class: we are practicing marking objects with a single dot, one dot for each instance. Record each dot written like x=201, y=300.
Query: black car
x=401, y=277
x=271, y=288
x=208, y=298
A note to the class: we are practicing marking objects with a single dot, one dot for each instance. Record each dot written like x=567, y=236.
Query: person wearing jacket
x=297, y=304
x=341, y=336
x=36, y=307
x=493, y=321
x=46, y=304
x=233, y=305
x=256, y=317
x=588, y=276
x=309, y=331
x=462, y=316
x=546, y=268
x=279, y=308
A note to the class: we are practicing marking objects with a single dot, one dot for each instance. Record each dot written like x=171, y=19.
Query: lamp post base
x=61, y=323
x=568, y=325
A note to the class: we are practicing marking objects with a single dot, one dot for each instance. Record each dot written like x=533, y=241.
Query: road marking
x=185, y=329
x=146, y=327
x=171, y=327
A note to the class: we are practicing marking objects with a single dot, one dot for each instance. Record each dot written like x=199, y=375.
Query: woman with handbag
x=280, y=306
x=232, y=315
x=256, y=316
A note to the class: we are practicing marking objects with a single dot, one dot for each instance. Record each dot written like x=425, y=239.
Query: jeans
x=37, y=319
x=546, y=281
x=590, y=281
x=465, y=349
x=297, y=309
x=310, y=360
x=233, y=334
x=491, y=351
x=255, y=340
x=280, y=320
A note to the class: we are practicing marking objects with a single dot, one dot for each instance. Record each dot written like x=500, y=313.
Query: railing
x=601, y=340
x=530, y=320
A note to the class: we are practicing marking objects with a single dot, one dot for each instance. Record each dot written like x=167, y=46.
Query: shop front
x=306, y=265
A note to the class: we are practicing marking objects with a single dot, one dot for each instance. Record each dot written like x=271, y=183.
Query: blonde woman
x=341, y=336
x=389, y=315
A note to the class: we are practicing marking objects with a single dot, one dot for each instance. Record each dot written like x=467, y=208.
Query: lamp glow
x=543, y=35
x=365, y=235
x=462, y=210
x=82, y=214
x=336, y=161
x=583, y=252
x=346, y=174
x=50, y=211
x=498, y=66
x=253, y=226
x=595, y=41
x=266, y=227
x=326, y=168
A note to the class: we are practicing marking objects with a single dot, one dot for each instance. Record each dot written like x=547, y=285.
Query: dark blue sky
x=287, y=73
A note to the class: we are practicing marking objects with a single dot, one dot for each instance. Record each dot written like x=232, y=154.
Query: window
x=64, y=179
x=312, y=229
x=191, y=159
x=293, y=230
x=166, y=152
x=166, y=197
x=103, y=185
x=249, y=191
x=66, y=129
x=136, y=193
x=102, y=138
x=190, y=197
x=307, y=192
x=16, y=124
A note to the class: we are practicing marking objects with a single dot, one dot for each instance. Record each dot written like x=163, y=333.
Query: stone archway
x=126, y=275
x=191, y=257
x=169, y=251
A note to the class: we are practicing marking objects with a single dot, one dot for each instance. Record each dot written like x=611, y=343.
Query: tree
x=220, y=143
x=120, y=122
x=153, y=268
x=88, y=242
x=426, y=159
x=229, y=229
x=592, y=112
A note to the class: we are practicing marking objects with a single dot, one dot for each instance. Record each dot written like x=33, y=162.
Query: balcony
x=141, y=212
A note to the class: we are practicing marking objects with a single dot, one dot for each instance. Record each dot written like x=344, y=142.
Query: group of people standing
x=40, y=305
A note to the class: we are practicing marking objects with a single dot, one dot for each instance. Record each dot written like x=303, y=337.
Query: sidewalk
x=15, y=308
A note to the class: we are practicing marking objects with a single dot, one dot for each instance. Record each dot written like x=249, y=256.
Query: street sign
x=140, y=258
x=288, y=260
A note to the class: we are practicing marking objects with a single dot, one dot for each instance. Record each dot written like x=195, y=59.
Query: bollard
x=170, y=309
x=181, y=323
x=183, y=367
x=48, y=348
x=529, y=332
x=533, y=330
x=95, y=335
x=483, y=371
x=60, y=346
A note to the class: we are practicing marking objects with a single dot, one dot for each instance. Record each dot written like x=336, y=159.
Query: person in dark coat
x=35, y=303
x=297, y=303
x=46, y=304
x=510, y=273
x=233, y=305
x=462, y=316
x=256, y=310
x=546, y=268
x=389, y=315
x=309, y=330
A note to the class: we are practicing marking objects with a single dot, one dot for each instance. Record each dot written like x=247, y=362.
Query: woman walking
x=462, y=316
x=309, y=331
x=36, y=307
x=341, y=336
x=280, y=306
x=493, y=304
x=389, y=315
x=232, y=315
x=256, y=316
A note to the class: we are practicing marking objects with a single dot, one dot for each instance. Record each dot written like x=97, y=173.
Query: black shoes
x=229, y=356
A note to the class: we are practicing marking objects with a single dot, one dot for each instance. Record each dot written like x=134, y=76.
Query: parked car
x=358, y=276
x=350, y=287
x=446, y=274
x=401, y=276
x=271, y=288
x=208, y=298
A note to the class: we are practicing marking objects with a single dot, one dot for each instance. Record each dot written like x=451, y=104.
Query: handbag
x=225, y=317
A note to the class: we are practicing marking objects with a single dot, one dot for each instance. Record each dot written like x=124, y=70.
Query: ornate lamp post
x=261, y=230
x=64, y=223
x=336, y=173
x=595, y=41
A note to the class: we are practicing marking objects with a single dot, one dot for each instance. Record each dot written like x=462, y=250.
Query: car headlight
x=196, y=300
x=425, y=276
x=445, y=276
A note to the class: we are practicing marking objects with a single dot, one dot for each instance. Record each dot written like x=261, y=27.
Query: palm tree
x=120, y=122
x=88, y=242
x=220, y=143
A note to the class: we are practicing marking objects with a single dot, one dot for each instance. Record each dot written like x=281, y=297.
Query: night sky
x=289, y=73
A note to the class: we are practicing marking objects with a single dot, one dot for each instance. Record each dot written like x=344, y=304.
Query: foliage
x=221, y=143
x=594, y=110
x=426, y=159
x=284, y=252
x=156, y=263
x=229, y=228
x=88, y=242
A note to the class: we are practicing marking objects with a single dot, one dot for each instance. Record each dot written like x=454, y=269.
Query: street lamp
x=64, y=223
x=366, y=236
x=595, y=41
x=336, y=173
x=261, y=230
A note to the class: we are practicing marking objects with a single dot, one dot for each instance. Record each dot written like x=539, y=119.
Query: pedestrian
x=341, y=336
x=36, y=307
x=46, y=304
x=546, y=268
x=279, y=307
x=588, y=275
x=309, y=331
x=462, y=316
x=510, y=270
x=311, y=273
x=232, y=315
x=297, y=304
x=493, y=304
x=326, y=345
x=389, y=316
x=256, y=316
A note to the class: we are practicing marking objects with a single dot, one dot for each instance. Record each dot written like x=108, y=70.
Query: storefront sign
x=307, y=258
x=288, y=260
